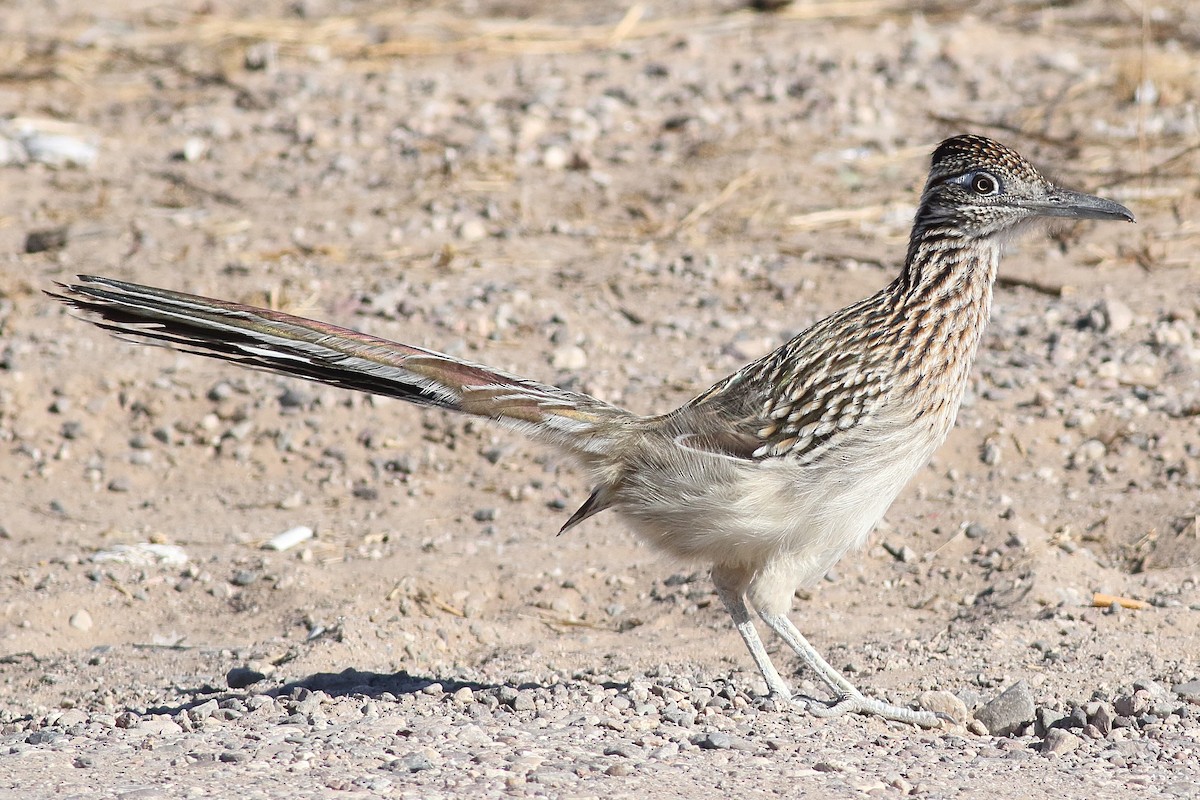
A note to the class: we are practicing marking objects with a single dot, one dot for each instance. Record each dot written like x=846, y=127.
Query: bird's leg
x=786, y=630
x=732, y=594
x=848, y=699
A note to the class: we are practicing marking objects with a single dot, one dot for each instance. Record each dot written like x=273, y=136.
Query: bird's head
x=980, y=188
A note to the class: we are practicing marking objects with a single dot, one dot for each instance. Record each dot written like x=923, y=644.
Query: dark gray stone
x=241, y=677
x=1008, y=712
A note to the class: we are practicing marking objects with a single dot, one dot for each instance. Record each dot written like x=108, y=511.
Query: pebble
x=241, y=677
x=975, y=530
x=555, y=157
x=570, y=358
x=1113, y=316
x=1102, y=718
x=414, y=762
x=1048, y=718
x=143, y=554
x=941, y=702
x=1009, y=711
x=203, y=711
x=1060, y=741
x=292, y=501
x=473, y=230
x=127, y=719
x=1189, y=691
x=245, y=577
x=81, y=620
x=715, y=740
x=289, y=538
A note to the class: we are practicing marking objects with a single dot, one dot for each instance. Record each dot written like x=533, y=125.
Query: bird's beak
x=1077, y=205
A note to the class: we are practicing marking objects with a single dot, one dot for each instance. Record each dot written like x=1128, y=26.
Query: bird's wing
x=779, y=407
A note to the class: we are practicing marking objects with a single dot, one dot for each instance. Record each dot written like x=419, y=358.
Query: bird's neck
x=942, y=300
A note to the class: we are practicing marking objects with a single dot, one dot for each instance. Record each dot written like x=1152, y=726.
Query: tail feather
x=290, y=345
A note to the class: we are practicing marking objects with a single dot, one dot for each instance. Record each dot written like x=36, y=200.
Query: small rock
x=245, y=577
x=234, y=757
x=570, y=358
x=194, y=149
x=1048, y=718
x=945, y=703
x=1189, y=691
x=81, y=620
x=294, y=398
x=1076, y=720
x=1102, y=719
x=472, y=230
x=159, y=725
x=555, y=157
x=1089, y=452
x=203, y=711
x=514, y=699
x=219, y=391
x=71, y=717
x=1112, y=316
x=902, y=553
x=715, y=740
x=127, y=719
x=1060, y=741
x=58, y=147
x=241, y=677
x=414, y=762
x=143, y=554
x=1008, y=712
x=293, y=500
x=289, y=538
x=365, y=491
x=975, y=530
x=46, y=240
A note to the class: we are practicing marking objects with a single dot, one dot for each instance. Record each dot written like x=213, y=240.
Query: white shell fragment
x=51, y=142
x=289, y=538
x=143, y=554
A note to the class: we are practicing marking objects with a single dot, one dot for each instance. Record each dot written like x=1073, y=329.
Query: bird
x=771, y=475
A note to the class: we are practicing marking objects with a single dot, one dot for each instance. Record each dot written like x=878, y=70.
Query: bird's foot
x=857, y=704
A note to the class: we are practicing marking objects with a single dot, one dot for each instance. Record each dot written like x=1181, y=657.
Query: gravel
x=570, y=731
x=631, y=209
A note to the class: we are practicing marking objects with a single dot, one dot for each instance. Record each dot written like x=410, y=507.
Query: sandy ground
x=628, y=201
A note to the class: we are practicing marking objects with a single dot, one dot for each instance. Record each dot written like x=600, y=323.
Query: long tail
x=265, y=339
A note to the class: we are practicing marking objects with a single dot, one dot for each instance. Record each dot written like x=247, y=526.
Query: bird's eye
x=984, y=184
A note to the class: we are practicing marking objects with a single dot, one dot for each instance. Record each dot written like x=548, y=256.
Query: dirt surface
x=632, y=202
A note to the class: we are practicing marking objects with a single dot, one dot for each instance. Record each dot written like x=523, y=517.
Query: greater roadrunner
x=773, y=473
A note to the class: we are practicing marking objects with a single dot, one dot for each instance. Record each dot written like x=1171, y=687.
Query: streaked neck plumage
x=941, y=300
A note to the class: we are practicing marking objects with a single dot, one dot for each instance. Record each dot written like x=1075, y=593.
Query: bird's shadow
x=350, y=681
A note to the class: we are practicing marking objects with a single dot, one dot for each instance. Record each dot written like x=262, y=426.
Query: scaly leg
x=848, y=699
x=735, y=603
